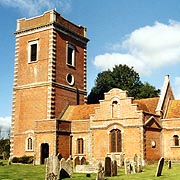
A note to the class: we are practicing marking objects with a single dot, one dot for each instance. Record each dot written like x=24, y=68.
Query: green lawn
x=30, y=172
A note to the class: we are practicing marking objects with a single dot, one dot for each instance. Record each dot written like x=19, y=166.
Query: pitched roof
x=79, y=112
x=148, y=104
x=173, y=110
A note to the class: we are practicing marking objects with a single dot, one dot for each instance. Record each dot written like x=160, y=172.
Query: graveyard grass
x=30, y=172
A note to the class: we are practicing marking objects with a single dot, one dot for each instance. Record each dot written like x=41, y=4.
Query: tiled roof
x=79, y=112
x=148, y=104
x=173, y=110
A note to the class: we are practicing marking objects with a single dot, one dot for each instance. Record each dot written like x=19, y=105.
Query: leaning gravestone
x=52, y=168
x=114, y=168
x=107, y=166
x=66, y=168
x=160, y=167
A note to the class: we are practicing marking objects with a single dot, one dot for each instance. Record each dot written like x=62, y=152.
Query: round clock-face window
x=70, y=79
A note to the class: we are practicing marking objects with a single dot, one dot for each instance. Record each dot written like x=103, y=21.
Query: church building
x=49, y=111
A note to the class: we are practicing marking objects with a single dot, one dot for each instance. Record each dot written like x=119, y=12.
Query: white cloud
x=148, y=48
x=36, y=7
x=5, y=122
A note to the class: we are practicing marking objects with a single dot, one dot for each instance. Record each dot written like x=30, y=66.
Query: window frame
x=30, y=46
x=70, y=61
x=80, y=146
x=72, y=79
x=115, y=141
x=29, y=143
x=176, y=140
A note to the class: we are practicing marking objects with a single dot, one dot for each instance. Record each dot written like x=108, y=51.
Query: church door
x=44, y=152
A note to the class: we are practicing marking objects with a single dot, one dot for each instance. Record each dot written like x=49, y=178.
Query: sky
x=144, y=34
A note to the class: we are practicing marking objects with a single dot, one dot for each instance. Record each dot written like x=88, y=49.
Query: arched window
x=176, y=140
x=29, y=144
x=80, y=144
x=115, y=141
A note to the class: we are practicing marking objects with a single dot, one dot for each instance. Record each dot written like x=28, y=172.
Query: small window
x=33, y=51
x=70, y=79
x=176, y=140
x=29, y=144
x=80, y=144
x=70, y=59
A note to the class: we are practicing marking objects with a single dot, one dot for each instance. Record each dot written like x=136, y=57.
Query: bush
x=23, y=159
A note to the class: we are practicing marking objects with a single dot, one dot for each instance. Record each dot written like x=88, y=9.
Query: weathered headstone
x=127, y=166
x=135, y=164
x=114, y=168
x=169, y=164
x=52, y=168
x=139, y=168
x=160, y=167
x=100, y=173
x=107, y=166
x=66, y=168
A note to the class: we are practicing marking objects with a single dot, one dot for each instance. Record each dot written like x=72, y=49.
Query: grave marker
x=66, y=168
x=160, y=167
x=107, y=166
x=100, y=173
x=52, y=168
x=114, y=168
x=127, y=166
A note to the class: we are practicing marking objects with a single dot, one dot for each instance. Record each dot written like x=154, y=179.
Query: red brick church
x=50, y=114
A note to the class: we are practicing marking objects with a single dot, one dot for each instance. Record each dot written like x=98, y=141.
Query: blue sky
x=144, y=34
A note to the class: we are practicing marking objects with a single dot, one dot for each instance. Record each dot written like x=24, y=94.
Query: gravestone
x=52, y=168
x=139, y=168
x=107, y=166
x=135, y=164
x=100, y=173
x=66, y=168
x=169, y=164
x=114, y=168
x=127, y=166
x=160, y=167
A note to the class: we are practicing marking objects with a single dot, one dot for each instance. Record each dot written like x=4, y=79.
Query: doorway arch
x=44, y=152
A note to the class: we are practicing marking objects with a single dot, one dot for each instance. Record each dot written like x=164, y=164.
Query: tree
x=4, y=147
x=124, y=78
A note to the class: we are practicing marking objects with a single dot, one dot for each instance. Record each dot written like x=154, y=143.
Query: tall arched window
x=29, y=144
x=115, y=141
x=80, y=144
x=176, y=140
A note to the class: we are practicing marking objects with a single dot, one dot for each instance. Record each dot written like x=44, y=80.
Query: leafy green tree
x=148, y=91
x=4, y=146
x=124, y=78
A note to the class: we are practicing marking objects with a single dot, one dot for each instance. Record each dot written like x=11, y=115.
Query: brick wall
x=153, y=152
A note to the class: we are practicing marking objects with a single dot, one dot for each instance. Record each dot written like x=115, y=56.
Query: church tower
x=49, y=74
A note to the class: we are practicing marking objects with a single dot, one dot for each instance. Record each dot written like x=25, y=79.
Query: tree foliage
x=124, y=78
x=4, y=147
